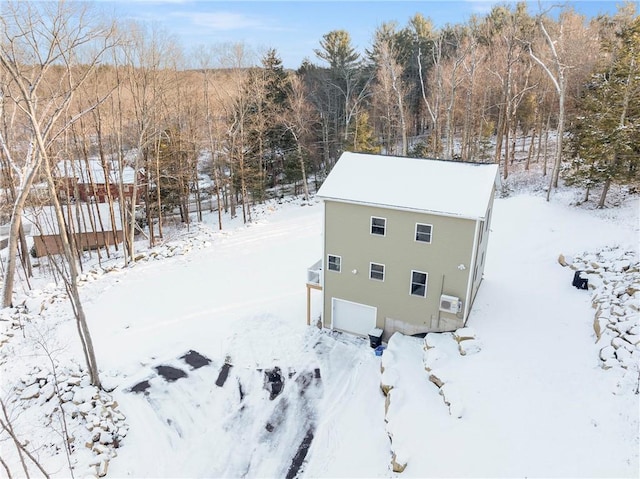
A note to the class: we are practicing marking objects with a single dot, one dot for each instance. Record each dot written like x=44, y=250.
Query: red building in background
x=93, y=180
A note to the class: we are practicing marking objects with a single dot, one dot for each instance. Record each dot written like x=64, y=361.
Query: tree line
x=77, y=86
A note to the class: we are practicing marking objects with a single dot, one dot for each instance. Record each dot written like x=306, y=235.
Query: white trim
x=371, y=226
x=471, y=268
x=383, y=271
x=426, y=283
x=339, y=261
x=415, y=233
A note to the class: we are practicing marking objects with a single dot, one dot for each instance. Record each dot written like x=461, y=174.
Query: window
x=376, y=271
x=378, y=226
x=419, y=283
x=333, y=263
x=423, y=233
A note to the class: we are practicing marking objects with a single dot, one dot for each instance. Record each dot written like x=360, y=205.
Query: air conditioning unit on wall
x=450, y=304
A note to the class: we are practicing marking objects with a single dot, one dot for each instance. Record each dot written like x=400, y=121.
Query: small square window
x=378, y=226
x=333, y=263
x=376, y=271
x=419, y=283
x=423, y=233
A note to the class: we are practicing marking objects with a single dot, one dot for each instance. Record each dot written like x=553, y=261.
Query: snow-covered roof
x=44, y=219
x=85, y=171
x=436, y=186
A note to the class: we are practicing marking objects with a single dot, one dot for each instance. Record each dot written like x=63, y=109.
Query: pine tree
x=362, y=136
x=605, y=137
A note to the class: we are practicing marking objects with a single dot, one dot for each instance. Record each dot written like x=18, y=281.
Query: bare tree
x=298, y=118
x=205, y=59
x=43, y=42
x=390, y=86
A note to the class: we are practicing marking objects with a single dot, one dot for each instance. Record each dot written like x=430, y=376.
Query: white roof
x=44, y=220
x=436, y=186
x=85, y=171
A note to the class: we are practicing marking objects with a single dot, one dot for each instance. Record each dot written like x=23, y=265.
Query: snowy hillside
x=213, y=371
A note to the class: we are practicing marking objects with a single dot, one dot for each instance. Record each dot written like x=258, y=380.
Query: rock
x=83, y=394
x=100, y=449
x=597, y=327
x=619, y=343
x=432, y=340
x=388, y=380
x=105, y=438
x=624, y=326
x=385, y=388
x=435, y=379
x=67, y=396
x=46, y=393
x=397, y=464
x=469, y=347
x=464, y=334
x=387, y=404
x=84, y=408
x=31, y=392
x=623, y=356
x=432, y=357
x=634, y=339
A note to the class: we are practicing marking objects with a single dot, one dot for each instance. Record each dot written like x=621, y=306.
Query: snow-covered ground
x=253, y=391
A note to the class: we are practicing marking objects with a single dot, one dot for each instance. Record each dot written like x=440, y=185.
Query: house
x=91, y=180
x=404, y=243
x=92, y=225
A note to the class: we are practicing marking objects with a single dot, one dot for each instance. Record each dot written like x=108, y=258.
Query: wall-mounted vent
x=450, y=304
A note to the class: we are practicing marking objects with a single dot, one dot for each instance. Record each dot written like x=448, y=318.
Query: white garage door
x=352, y=317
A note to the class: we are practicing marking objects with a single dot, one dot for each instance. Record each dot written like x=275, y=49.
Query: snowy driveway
x=536, y=400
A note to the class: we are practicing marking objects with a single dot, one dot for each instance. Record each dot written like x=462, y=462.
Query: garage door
x=352, y=317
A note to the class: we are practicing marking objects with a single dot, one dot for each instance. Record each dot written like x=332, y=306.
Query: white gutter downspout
x=472, y=268
x=323, y=265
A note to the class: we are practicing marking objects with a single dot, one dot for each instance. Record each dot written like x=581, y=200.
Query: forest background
x=555, y=93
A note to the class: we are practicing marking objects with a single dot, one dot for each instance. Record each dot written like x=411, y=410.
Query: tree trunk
x=605, y=190
x=71, y=282
x=14, y=233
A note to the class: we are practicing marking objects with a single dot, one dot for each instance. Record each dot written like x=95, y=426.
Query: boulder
x=31, y=392
x=464, y=334
x=398, y=465
x=562, y=260
x=469, y=347
x=435, y=379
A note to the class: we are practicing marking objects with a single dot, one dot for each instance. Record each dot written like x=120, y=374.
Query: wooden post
x=308, y=305
x=310, y=286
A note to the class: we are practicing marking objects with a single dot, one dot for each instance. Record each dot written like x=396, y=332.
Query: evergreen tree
x=337, y=51
x=278, y=140
x=363, y=139
x=605, y=137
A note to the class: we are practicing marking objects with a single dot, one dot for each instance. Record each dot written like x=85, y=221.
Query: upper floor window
x=333, y=263
x=419, y=283
x=378, y=226
x=376, y=271
x=423, y=232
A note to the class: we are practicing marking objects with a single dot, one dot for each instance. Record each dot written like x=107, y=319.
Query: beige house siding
x=347, y=234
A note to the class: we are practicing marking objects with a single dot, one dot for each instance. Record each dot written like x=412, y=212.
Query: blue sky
x=295, y=28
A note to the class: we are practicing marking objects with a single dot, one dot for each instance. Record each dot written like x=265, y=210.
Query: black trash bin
x=580, y=282
x=375, y=337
